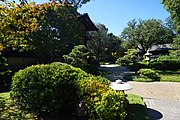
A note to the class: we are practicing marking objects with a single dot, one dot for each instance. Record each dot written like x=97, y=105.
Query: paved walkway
x=162, y=98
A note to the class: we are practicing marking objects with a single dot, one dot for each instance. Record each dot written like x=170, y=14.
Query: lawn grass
x=136, y=108
x=165, y=76
x=169, y=75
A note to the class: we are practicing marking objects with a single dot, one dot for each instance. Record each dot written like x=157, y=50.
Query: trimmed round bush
x=100, y=101
x=48, y=88
x=147, y=75
x=45, y=88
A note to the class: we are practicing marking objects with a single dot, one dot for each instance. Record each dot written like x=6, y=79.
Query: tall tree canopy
x=75, y=3
x=143, y=34
x=173, y=7
x=47, y=29
x=103, y=44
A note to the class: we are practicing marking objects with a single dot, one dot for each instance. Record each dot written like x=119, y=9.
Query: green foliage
x=76, y=3
x=138, y=65
x=137, y=109
x=102, y=45
x=143, y=34
x=78, y=57
x=176, y=42
x=169, y=75
x=128, y=59
x=8, y=110
x=47, y=88
x=166, y=62
x=5, y=75
x=140, y=79
x=172, y=6
x=49, y=30
x=147, y=75
x=101, y=102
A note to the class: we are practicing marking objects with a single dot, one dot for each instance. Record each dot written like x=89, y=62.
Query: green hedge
x=166, y=62
x=59, y=88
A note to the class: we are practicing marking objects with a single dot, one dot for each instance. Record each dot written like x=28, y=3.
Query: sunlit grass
x=136, y=108
x=169, y=75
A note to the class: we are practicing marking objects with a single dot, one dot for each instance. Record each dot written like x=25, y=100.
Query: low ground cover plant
x=58, y=88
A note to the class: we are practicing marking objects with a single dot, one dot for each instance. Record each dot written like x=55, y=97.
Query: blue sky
x=115, y=14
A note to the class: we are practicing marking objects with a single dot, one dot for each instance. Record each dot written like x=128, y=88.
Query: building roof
x=86, y=21
x=161, y=47
x=158, y=47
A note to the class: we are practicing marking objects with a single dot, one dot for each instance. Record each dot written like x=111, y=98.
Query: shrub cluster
x=5, y=75
x=147, y=75
x=58, y=88
x=80, y=57
x=101, y=102
x=128, y=59
x=166, y=62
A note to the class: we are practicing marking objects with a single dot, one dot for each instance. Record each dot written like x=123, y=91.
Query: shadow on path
x=154, y=114
x=116, y=72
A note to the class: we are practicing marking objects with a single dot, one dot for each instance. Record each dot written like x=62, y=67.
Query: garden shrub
x=166, y=62
x=128, y=59
x=147, y=75
x=101, y=102
x=80, y=57
x=48, y=88
x=5, y=75
x=137, y=66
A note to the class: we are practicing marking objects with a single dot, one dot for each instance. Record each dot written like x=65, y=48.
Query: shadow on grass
x=154, y=114
x=137, y=112
x=164, y=72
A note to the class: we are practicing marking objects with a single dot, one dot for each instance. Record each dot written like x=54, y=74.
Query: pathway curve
x=162, y=98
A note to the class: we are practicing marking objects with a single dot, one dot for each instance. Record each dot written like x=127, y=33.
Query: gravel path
x=162, y=98
x=157, y=90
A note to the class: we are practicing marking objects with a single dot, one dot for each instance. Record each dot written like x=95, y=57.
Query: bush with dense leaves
x=147, y=75
x=166, y=62
x=48, y=88
x=128, y=59
x=5, y=75
x=80, y=57
x=137, y=66
x=100, y=101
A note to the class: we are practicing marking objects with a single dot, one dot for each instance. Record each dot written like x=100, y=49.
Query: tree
x=103, y=44
x=76, y=3
x=173, y=7
x=170, y=24
x=49, y=30
x=78, y=57
x=143, y=34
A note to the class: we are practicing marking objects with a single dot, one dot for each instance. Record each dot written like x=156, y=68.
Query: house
x=159, y=49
